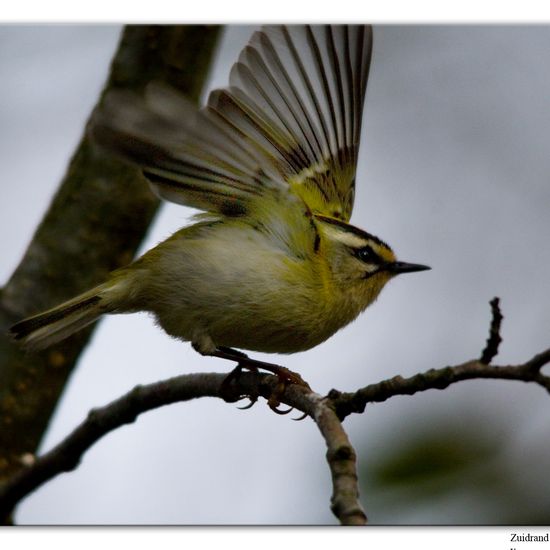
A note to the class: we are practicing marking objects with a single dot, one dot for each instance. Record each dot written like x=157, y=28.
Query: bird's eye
x=367, y=255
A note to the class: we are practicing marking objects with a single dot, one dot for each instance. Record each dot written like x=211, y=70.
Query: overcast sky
x=454, y=172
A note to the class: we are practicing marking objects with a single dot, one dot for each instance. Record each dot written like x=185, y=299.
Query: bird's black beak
x=404, y=267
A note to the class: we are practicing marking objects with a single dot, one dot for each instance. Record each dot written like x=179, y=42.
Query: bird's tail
x=47, y=328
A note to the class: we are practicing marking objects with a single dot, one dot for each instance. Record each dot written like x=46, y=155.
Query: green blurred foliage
x=456, y=473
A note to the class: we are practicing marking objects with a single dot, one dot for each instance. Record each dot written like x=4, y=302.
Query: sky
x=453, y=172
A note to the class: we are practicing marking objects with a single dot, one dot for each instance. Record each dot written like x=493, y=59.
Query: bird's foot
x=285, y=377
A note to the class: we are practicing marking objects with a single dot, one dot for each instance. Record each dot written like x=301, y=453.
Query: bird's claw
x=279, y=411
x=274, y=403
x=253, y=400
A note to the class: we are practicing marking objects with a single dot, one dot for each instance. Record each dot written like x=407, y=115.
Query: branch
x=66, y=456
x=439, y=379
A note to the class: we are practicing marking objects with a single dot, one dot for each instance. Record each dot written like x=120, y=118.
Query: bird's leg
x=234, y=355
x=285, y=376
x=253, y=364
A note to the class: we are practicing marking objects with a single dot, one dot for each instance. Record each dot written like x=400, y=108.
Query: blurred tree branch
x=327, y=412
x=94, y=224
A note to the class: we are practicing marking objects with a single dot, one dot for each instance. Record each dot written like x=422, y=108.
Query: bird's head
x=360, y=263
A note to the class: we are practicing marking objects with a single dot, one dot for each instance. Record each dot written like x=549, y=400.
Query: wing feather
x=288, y=124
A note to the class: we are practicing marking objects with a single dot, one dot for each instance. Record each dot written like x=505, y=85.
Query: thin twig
x=494, y=340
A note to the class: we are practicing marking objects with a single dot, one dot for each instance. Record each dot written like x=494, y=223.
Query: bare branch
x=439, y=379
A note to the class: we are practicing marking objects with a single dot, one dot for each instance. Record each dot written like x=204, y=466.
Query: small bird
x=271, y=264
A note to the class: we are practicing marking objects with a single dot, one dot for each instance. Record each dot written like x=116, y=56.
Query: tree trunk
x=95, y=223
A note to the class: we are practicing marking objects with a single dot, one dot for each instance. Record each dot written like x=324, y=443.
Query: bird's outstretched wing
x=290, y=120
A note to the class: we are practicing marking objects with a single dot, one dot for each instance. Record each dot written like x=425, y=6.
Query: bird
x=271, y=263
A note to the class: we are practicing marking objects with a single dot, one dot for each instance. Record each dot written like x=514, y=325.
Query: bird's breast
x=252, y=296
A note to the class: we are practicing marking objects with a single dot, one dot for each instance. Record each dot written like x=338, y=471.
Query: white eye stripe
x=353, y=241
x=346, y=237
x=349, y=235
